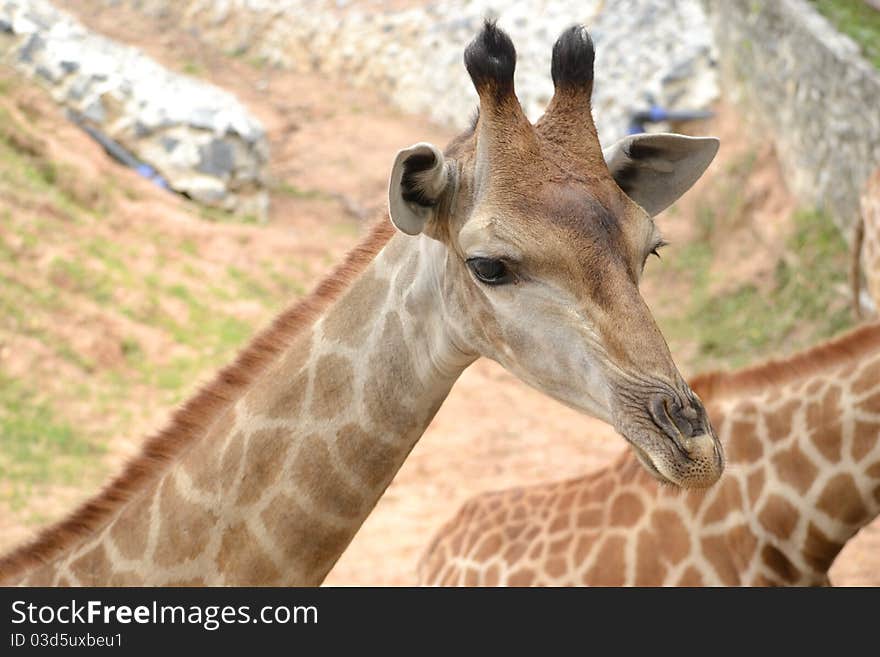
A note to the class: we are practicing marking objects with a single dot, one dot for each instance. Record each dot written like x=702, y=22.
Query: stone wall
x=806, y=87
x=411, y=51
x=200, y=139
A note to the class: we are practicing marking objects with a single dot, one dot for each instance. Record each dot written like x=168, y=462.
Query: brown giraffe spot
x=864, y=438
x=304, y=540
x=349, y=323
x=650, y=570
x=382, y=395
x=264, y=461
x=129, y=531
x=589, y=518
x=693, y=498
x=371, y=460
x=585, y=543
x=531, y=533
x=754, y=486
x=522, y=577
x=743, y=445
x=515, y=551
x=795, y=469
x=230, y=462
x=742, y=543
x=868, y=377
x=488, y=547
x=185, y=527
x=560, y=523
x=728, y=497
x=874, y=471
x=242, y=562
x=314, y=474
x=537, y=551
x=716, y=551
x=93, y=567
x=673, y=538
x=819, y=551
x=493, y=576
x=204, y=465
x=332, y=388
x=774, y=559
x=566, y=500
x=870, y=404
x=457, y=540
x=561, y=546
x=690, y=577
x=512, y=532
x=542, y=497
x=841, y=499
x=283, y=402
x=601, y=489
x=472, y=577
x=779, y=422
x=823, y=421
x=609, y=568
x=626, y=509
x=814, y=387
x=779, y=516
x=279, y=393
x=556, y=567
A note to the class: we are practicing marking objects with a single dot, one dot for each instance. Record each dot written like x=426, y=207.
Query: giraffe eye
x=489, y=270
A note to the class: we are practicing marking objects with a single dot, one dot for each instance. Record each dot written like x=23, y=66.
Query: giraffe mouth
x=648, y=464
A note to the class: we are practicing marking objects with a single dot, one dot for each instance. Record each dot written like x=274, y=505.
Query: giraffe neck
x=279, y=485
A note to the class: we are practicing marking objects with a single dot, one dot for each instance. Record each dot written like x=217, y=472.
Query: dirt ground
x=493, y=431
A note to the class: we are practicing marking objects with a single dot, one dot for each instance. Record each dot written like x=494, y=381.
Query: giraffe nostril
x=681, y=422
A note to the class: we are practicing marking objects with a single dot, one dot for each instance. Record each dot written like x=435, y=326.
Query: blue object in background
x=656, y=114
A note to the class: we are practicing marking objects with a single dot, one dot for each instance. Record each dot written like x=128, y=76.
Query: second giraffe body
x=803, y=476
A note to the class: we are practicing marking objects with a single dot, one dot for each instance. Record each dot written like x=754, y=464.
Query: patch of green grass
x=857, y=20
x=86, y=280
x=191, y=67
x=36, y=447
x=288, y=189
x=802, y=306
x=222, y=216
x=248, y=286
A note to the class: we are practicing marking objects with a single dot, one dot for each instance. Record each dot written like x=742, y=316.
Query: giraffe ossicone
x=517, y=243
x=803, y=442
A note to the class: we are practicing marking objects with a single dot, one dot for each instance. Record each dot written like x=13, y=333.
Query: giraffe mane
x=803, y=364
x=192, y=419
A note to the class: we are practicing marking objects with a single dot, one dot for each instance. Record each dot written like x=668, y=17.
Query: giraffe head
x=536, y=240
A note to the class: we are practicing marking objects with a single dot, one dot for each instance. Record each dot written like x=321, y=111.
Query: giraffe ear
x=654, y=169
x=418, y=179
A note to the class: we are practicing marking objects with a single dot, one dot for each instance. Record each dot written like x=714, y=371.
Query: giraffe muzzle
x=686, y=452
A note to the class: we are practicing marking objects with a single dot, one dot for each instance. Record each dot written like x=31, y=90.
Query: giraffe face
x=549, y=289
x=544, y=244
